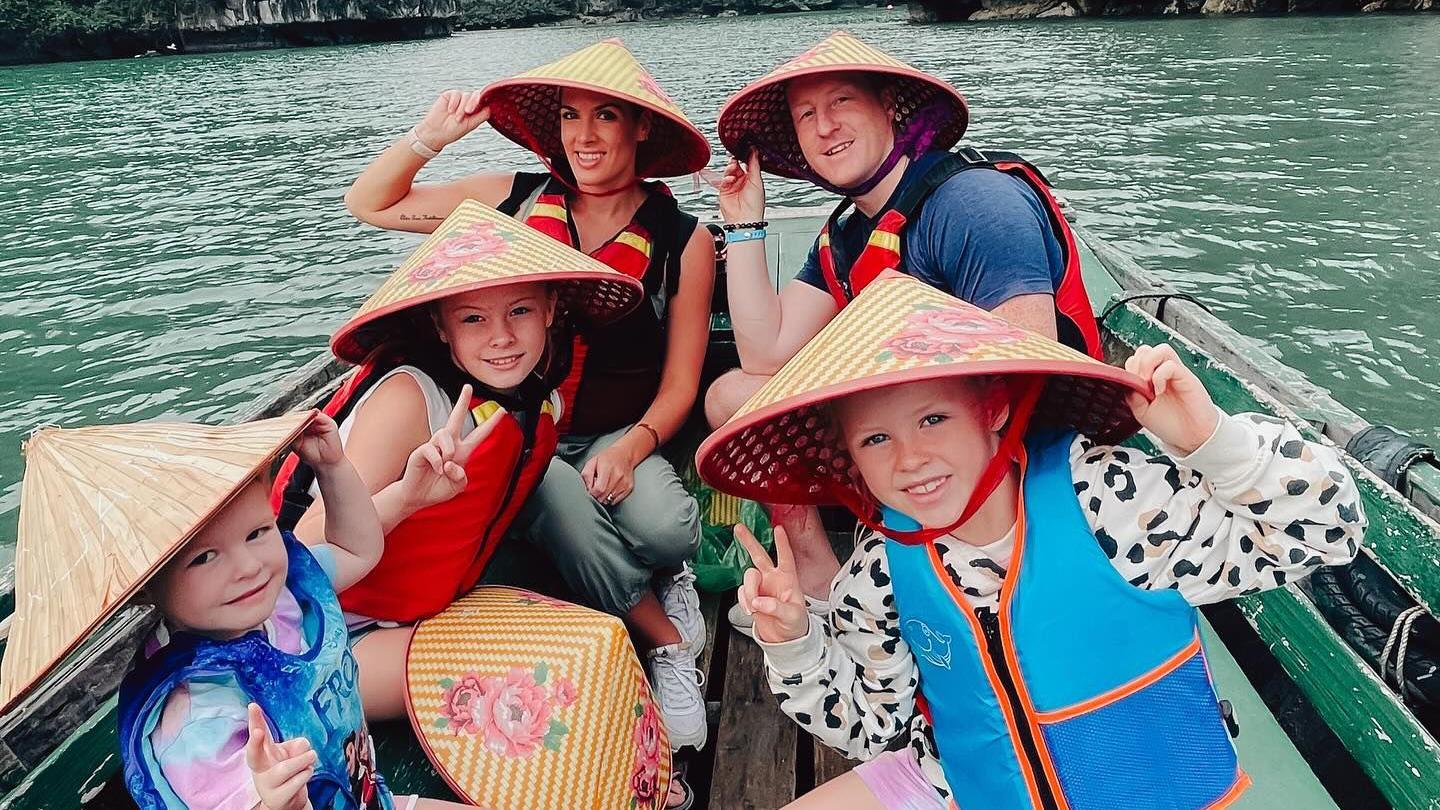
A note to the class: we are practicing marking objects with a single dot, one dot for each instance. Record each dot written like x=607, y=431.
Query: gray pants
x=608, y=555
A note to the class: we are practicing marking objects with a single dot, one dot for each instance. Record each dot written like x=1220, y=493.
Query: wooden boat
x=1319, y=728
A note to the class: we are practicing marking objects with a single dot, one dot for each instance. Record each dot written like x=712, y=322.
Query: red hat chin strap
x=1000, y=464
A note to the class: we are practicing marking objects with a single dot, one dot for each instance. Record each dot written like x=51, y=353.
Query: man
x=862, y=124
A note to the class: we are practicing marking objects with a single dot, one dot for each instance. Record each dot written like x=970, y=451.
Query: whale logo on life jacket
x=931, y=645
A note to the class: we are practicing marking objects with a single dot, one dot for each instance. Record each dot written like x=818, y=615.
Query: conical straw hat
x=526, y=109
x=523, y=701
x=102, y=509
x=758, y=117
x=780, y=447
x=477, y=247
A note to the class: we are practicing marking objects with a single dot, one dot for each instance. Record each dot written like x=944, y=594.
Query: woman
x=466, y=319
x=611, y=511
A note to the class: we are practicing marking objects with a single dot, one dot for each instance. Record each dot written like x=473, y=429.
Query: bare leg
x=381, y=656
x=437, y=804
x=651, y=626
x=845, y=792
x=814, y=558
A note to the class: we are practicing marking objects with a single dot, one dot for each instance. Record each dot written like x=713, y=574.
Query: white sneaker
x=682, y=605
x=677, y=685
x=744, y=623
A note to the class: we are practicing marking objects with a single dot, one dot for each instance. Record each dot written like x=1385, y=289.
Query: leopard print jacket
x=1253, y=508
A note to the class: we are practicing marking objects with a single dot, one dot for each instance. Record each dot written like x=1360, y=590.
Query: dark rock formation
x=49, y=30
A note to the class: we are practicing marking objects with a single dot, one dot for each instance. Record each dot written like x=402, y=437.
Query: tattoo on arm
x=420, y=218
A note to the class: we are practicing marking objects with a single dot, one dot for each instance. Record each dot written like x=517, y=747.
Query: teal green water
x=175, y=241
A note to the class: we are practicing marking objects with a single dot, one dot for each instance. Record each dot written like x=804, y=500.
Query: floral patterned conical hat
x=477, y=247
x=526, y=109
x=758, y=117
x=523, y=701
x=780, y=447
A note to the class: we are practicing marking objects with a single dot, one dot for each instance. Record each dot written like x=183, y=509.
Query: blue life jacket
x=1084, y=692
x=314, y=695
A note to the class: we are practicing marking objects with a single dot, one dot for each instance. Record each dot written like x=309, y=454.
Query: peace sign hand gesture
x=281, y=771
x=771, y=591
x=435, y=471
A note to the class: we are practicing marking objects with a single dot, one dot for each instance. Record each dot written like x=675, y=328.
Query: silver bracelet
x=418, y=146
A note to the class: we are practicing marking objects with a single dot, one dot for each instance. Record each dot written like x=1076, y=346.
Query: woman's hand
x=281, y=771
x=319, y=446
x=609, y=475
x=1182, y=415
x=771, y=591
x=742, y=191
x=454, y=115
x=435, y=471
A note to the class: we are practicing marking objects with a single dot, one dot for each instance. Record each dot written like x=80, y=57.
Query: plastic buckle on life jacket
x=972, y=155
x=1232, y=725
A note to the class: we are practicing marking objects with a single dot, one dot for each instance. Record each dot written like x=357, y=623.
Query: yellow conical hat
x=522, y=701
x=102, y=509
x=781, y=448
x=758, y=117
x=526, y=108
x=477, y=247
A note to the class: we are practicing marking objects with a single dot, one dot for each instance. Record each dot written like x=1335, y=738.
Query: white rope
x=1400, y=632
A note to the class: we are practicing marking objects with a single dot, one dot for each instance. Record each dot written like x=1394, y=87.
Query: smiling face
x=600, y=134
x=842, y=124
x=225, y=581
x=497, y=335
x=920, y=447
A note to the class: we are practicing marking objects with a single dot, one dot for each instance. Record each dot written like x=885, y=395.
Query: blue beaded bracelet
x=731, y=237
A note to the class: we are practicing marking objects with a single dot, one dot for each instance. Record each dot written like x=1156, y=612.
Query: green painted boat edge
x=1381, y=734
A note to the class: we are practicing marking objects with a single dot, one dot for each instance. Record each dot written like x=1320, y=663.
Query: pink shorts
x=406, y=802
x=895, y=779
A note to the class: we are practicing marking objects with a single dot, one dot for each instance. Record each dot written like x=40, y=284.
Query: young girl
x=245, y=695
x=1028, y=621
x=461, y=327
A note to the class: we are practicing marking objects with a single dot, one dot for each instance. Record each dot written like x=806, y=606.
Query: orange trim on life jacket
x=1124, y=690
x=978, y=633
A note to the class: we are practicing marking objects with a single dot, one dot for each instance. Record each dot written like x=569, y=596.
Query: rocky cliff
x=511, y=13
x=949, y=10
x=46, y=30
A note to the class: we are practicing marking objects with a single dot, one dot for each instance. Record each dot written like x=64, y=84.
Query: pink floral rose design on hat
x=459, y=702
x=513, y=715
x=645, y=778
x=470, y=244
x=649, y=85
x=564, y=692
x=947, y=334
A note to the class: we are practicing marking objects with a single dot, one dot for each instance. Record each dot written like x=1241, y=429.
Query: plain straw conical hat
x=758, y=117
x=526, y=108
x=102, y=509
x=475, y=248
x=781, y=447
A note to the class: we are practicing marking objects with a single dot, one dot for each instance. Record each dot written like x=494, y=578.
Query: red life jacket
x=614, y=371
x=438, y=553
x=1075, y=320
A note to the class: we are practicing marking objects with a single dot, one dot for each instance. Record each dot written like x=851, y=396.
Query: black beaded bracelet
x=760, y=224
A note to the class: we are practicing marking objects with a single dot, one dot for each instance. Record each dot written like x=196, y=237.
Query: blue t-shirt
x=983, y=236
